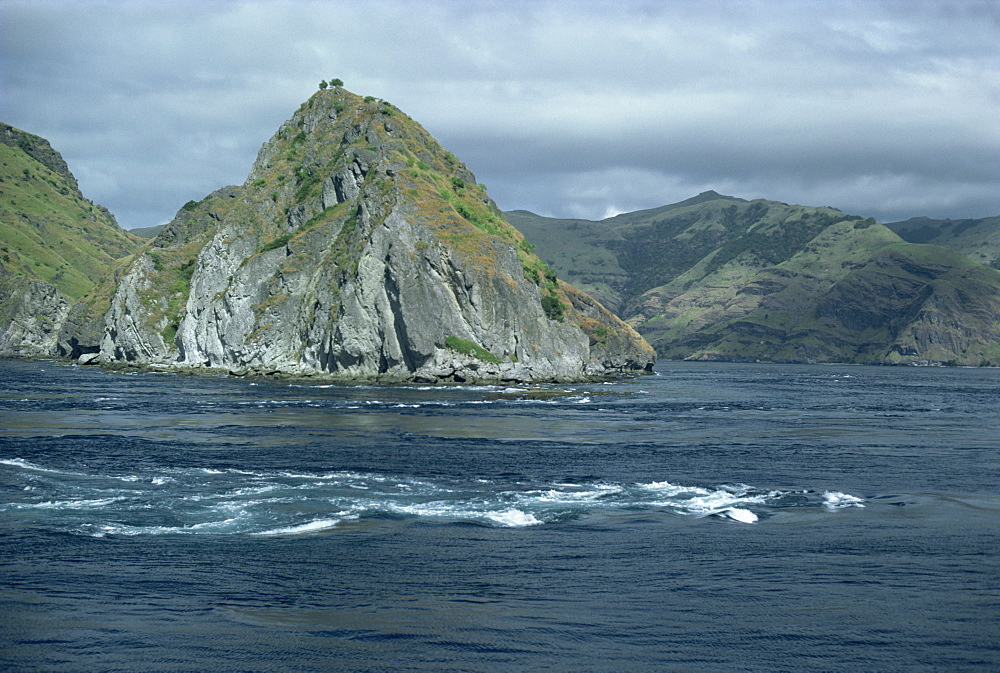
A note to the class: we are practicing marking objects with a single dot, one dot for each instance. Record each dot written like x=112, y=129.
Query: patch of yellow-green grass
x=470, y=348
x=49, y=232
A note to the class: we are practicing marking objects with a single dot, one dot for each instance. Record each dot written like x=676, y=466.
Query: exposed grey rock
x=353, y=278
x=31, y=314
x=80, y=333
x=369, y=275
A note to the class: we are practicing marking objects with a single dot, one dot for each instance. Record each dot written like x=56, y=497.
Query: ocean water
x=711, y=517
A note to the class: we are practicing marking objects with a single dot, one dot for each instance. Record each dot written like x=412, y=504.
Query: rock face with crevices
x=358, y=249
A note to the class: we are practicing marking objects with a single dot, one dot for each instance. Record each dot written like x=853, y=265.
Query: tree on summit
x=322, y=85
x=336, y=82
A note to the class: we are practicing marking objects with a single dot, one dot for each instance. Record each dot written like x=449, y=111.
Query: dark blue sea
x=711, y=517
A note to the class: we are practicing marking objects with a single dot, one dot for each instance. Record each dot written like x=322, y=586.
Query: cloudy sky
x=566, y=108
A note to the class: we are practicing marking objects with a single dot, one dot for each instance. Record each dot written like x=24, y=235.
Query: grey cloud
x=564, y=108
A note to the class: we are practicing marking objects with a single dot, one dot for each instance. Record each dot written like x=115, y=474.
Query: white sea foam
x=513, y=518
x=568, y=497
x=232, y=525
x=67, y=504
x=834, y=500
x=668, y=486
x=739, y=514
x=311, y=527
x=464, y=511
x=726, y=501
x=23, y=464
x=229, y=501
x=254, y=490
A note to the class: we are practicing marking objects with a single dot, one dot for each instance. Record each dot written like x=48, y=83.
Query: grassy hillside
x=48, y=230
x=579, y=251
x=621, y=258
x=716, y=277
x=978, y=239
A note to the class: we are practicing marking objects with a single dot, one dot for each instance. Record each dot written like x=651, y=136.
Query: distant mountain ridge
x=721, y=278
x=147, y=232
x=978, y=239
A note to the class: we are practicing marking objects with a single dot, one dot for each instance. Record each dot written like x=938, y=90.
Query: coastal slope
x=55, y=247
x=721, y=278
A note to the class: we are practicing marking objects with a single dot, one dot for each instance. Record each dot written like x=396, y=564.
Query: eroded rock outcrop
x=359, y=249
x=32, y=312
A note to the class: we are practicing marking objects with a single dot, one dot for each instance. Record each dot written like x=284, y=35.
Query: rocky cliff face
x=32, y=314
x=359, y=249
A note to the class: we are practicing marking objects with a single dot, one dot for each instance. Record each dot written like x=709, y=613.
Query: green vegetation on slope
x=48, y=231
x=717, y=277
x=147, y=232
x=620, y=258
x=471, y=348
x=447, y=198
x=979, y=239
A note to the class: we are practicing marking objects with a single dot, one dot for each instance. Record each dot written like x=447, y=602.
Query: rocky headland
x=357, y=249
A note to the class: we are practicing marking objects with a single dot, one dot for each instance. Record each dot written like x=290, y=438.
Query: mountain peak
x=359, y=248
x=39, y=149
x=710, y=195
